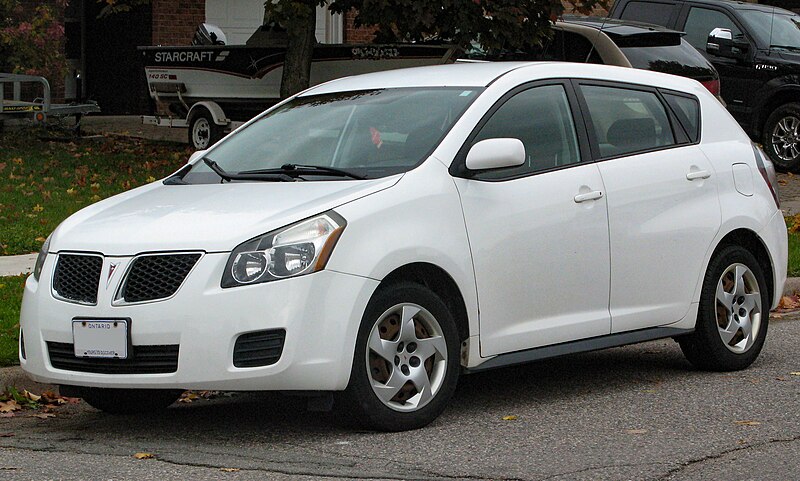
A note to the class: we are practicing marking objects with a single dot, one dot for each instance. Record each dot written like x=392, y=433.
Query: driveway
x=637, y=412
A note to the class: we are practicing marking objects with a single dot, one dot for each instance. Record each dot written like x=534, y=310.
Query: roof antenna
x=597, y=39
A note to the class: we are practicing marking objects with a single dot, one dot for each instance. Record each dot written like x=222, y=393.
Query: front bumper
x=320, y=313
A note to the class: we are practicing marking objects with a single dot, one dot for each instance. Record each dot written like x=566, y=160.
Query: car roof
x=739, y=5
x=479, y=75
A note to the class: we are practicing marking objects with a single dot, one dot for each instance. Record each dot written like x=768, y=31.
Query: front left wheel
x=406, y=362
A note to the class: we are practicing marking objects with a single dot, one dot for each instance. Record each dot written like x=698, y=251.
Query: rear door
x=663, y=206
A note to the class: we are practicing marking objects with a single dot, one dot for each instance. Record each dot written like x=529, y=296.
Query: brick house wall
x=175, y=21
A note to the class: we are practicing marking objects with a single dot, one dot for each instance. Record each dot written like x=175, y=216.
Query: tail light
x=767, y=171
x=712, y=86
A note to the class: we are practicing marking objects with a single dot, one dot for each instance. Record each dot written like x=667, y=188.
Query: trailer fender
x=217, y=114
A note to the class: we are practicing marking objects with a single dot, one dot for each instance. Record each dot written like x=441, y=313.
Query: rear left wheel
x=733, y=314
x=406, y=361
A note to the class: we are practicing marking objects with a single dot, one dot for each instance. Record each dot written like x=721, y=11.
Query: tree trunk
x=297, y=66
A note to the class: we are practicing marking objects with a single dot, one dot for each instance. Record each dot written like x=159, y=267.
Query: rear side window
x=687, y=110
x=627, y=120
x=540, y=117
x=650, y=12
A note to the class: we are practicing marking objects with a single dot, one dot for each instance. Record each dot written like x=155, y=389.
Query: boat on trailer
x=212, y=89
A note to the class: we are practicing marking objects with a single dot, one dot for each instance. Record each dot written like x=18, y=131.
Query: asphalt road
x=637, y=412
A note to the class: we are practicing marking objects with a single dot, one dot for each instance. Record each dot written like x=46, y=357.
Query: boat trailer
x=38, y=109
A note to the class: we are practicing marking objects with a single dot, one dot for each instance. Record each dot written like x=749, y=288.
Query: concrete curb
x=16, y=265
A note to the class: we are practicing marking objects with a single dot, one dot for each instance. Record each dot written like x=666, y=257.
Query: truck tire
x=203, y=132
x=782, y=137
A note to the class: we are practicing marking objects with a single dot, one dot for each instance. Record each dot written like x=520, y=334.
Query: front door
x=538, y=232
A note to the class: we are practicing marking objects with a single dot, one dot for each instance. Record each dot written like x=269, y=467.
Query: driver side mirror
x=496, y=154
x=722, y=44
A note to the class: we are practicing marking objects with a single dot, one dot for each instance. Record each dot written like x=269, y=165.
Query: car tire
x=203, y=132
x=406, y=362
x=733, y=315
x=782, y=137
x=125, y=401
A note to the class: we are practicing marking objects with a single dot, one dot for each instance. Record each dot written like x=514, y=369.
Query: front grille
x=77, y=277
x=144, y=360
x=152, y=277
x=260, y=348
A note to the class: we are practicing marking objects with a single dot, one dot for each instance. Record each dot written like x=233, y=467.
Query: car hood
x=207, y=217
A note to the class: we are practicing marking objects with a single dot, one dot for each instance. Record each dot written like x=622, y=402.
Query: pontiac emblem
x=111, y=268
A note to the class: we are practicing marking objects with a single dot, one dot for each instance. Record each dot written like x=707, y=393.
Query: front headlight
x=37, y=268
x=298, y=249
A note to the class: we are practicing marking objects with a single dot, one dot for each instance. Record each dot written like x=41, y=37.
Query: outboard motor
x=208, y=34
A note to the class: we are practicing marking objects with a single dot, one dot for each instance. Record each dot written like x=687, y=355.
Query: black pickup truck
x=756, y=50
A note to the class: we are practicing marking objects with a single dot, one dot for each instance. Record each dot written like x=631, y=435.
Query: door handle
x=593, y=195
x=698, y=174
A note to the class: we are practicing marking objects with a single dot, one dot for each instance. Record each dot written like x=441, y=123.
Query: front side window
x=702, y=21
x=626, y=120
x=371, y=133
x=540, y=117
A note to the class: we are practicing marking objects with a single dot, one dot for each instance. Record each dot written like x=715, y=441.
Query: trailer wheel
x=203, y=132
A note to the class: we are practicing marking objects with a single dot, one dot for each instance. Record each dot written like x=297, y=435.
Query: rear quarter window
x=687, y=111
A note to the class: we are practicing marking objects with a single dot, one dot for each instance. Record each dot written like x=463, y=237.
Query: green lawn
x=10, y=300
x=794, y=254
x=44, y=182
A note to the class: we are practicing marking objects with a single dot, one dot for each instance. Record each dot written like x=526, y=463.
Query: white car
x=381, y=235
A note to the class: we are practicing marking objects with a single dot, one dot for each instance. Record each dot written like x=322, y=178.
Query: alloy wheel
x=786, y=138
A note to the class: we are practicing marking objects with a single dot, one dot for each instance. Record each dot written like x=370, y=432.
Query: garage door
x=240, y=18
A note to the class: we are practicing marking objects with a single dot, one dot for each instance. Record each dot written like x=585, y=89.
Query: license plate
x=100, y=338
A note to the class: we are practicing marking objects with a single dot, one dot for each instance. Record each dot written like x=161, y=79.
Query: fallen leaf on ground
x=8, y=406
x=789, y=302
x=509, y=418
x=31, y=396
x=230, y=470
x=6, y=435
x=747, y=423
x=636, y=431
x=144, y=456
x=795, y=373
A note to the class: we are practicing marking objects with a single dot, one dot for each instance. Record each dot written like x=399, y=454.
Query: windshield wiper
x=301, y=169
x=786, y=47
x=254, y=175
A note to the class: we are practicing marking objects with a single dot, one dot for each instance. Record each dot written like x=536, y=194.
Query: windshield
x=780, y=30
x=369, y=134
